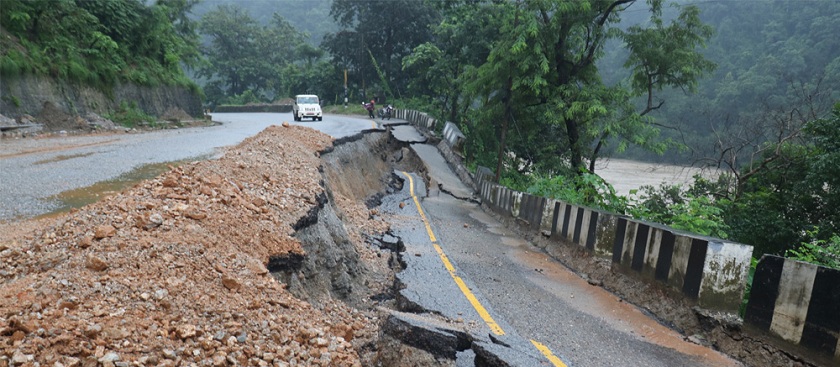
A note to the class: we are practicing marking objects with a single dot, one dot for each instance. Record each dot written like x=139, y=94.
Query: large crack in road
x=438, y=284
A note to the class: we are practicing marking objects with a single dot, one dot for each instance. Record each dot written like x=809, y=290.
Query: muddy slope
x=173, y=271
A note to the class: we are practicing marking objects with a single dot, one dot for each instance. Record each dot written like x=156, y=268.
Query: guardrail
x=797, y=302
x=254, y=108
x=713, y=272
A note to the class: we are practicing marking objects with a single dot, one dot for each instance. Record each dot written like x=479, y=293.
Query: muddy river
x=626, y=175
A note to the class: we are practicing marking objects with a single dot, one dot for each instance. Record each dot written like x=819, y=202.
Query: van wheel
x=321, y=118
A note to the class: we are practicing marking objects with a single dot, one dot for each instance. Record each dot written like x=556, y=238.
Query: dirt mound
x=99, y=122
x=176, y=114
x=172, y=271
x=55, y=119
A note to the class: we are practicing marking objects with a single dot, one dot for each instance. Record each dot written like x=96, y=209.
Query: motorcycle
x=386, y=112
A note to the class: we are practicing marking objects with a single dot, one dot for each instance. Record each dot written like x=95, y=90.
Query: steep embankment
x=173, y=271
x=26, y=94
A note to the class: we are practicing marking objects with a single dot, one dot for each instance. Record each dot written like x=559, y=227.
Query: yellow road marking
x=494, y=327
x=482, y=312
x=547, y=353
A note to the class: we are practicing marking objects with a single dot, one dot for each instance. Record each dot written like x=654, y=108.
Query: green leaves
x=97, y=42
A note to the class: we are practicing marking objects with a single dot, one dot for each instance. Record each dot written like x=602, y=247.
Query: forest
x=542, y=88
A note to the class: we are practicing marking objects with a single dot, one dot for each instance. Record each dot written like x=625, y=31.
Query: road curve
x=543, y=310
x=34, y=171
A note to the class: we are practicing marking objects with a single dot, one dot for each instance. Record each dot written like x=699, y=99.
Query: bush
x=587, y=189
x=129, y=115
x=821, y=252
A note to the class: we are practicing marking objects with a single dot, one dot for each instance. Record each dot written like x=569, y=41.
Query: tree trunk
x=572, y=130
x=507, y=112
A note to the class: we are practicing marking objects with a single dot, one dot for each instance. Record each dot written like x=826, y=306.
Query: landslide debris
x=173, y=271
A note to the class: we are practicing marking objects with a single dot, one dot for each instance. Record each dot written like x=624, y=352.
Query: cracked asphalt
x=532, y=297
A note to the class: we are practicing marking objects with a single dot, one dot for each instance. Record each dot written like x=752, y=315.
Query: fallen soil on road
x=174, y=270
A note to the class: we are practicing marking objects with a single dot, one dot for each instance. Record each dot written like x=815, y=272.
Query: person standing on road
x=370, y=107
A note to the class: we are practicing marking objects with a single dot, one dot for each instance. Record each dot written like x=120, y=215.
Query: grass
x=352, y=109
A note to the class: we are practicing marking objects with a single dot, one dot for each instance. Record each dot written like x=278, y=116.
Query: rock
x=93, y=331
x=285, y=124
x=99, y=121
x=96, y=264
x=242, y=337
x=115, y=333
x=105, y=230
x=170, y=181
x=169, y=354
x=220, y=335
x=161, y=294
x=110, y=357
x=230, y=282
x=195, y=215
x=26, y=119
x=154, y=221
x=85, y=242
x=220, y=359
x=72, y=362
x=17, y=336
x=20, y=358
x=185, y=331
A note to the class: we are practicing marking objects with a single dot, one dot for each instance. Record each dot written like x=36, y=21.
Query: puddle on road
x=598, y=302
x=60, y=158
x=80, y=197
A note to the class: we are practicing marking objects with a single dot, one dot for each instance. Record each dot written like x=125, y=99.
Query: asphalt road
x=37, y=174
x=466, y=266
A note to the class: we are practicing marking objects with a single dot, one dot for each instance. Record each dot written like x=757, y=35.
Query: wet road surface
x=466, y=266
x=39, y=176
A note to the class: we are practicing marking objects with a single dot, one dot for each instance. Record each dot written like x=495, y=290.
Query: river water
x=626, y=175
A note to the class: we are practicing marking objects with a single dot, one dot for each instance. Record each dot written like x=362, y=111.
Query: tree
x=549, y=52
x=233, y=64
x=249, y=57
x=98, y=42
x=381, y=31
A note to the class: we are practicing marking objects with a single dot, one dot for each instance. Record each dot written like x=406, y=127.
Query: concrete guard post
x=711, y=272
x=797, y=302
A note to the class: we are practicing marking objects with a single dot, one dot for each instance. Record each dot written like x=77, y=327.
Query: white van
x=307, y=105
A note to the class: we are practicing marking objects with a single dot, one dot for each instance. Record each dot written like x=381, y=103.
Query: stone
x=105, y=230
x=154, y=221
x=20, y=358
x=110, y=357
x=220, y=335
x=96, y=264
x=230, y=282
x=185, y=331
x=93, y=331
x=161, y=294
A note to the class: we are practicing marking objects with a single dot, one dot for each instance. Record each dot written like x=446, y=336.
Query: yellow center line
x=482, y=312
x=494, y=327
x=547, y=353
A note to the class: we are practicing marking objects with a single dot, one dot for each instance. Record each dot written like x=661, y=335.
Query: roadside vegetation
x=99, y=42
x=542, y=88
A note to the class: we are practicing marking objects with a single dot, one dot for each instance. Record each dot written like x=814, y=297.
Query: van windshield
x=307, y=100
